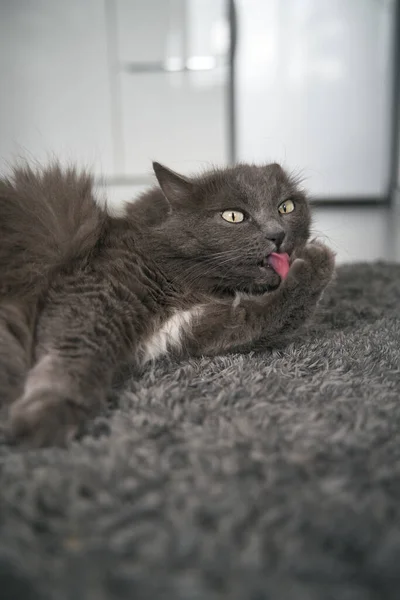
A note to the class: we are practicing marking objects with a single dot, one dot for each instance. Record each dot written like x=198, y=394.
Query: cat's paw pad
x=45, y=418
x=318, y=264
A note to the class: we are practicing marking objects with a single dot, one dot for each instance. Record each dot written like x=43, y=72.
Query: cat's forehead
x=258, y=185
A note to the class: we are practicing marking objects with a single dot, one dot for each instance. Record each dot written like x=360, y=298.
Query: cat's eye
x=233, y=216
x=286, y=207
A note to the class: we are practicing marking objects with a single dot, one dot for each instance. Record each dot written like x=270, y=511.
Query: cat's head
x=222, y=225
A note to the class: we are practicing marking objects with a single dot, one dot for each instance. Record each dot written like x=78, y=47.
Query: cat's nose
x=276, y=236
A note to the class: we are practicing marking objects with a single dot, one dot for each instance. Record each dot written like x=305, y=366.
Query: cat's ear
x=176, y=188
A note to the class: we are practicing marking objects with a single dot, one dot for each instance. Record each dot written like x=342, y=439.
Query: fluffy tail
x=47, y=219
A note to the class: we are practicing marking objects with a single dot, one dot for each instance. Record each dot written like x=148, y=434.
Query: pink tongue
x=279, y=263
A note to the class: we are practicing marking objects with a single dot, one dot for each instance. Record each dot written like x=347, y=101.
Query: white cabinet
x=113, y=85
x=55, y=92
x=176, y=118
x=173, y=79
x=148, y=31
x=314, y=90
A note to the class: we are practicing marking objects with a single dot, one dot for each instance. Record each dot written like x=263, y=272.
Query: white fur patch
x=43, y=375
x=237, y=299
x=169, y=335
x=239, y=296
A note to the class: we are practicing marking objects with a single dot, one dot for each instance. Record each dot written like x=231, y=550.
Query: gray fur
x=271, y=476
x=82, y=292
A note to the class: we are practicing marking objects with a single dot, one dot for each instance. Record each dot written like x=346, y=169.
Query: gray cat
x=197, y=266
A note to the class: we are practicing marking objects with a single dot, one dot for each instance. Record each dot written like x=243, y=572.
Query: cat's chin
x=257, y=287
x=267, y=281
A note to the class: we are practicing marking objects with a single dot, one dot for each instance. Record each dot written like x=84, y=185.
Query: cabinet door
x=314, y=90
x=55, y=93
x=170, y=32
x=173, y=77
x=148, y=31
x=176, y=118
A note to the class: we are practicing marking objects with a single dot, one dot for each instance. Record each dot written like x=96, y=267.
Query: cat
x=201, y=265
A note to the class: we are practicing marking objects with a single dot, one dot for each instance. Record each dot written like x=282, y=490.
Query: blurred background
x=313, y=84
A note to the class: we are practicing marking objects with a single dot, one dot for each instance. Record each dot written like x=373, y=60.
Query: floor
x=263, y=475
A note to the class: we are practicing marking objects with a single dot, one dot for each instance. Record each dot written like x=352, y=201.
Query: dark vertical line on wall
x=185, y=34
x=233, y=26
x=115, y=86
x=393, y=240
x=395, y=117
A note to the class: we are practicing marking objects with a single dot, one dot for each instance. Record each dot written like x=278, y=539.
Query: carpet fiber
x=267, y=476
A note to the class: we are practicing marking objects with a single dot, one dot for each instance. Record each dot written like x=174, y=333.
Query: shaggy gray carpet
x=268, y=476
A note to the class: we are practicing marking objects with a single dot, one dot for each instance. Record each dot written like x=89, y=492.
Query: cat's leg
x=225, y=326
x=82, y=333
x=16, y=331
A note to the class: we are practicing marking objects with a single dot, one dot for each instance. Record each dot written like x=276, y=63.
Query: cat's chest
x=169, y=335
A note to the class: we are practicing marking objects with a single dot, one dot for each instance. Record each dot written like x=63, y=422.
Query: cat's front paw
x=45, y=418
x=313, y=268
